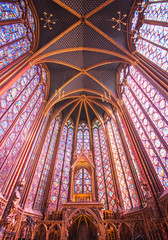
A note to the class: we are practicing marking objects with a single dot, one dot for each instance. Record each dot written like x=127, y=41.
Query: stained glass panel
x=66, y=169
x=16, y=107
x=47, y=164
x=125, y=167
x=118, y=166
x=148, y=110
x=15, y=38
x=33, y=152
x=99, y=169
x=103, y=168
x=83, y=139
x=58, y=171
x=87, y=181
x=130, y=149
x=15, y=140
x=36, y=178
x=152, y=40
x=78, y=181
x=82, y=181
x=60, y=182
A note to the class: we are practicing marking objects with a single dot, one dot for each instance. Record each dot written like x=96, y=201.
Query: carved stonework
x=2, y=208
x=11, y=217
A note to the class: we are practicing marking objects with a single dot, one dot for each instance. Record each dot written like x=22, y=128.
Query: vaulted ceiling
x=83, y=51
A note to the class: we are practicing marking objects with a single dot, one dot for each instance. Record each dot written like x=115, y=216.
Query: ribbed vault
x=84, y=58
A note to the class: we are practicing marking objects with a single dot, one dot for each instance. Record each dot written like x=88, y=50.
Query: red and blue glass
x=150, y=38
x=148, y=111
x=103, y=168
x=16, y=37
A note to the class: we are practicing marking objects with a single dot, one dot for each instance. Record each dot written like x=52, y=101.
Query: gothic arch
x=125, y=231
x=115, y=229
x=101, y=228
x=40, y=225
x=56, y=232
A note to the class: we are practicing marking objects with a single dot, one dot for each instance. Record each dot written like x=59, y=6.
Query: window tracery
x=127, y=187
x=60, y=184
x=83, y=139
x=20, y=106
x=17, y=31
x=105, y=184
x=148, y=111
x=83, y=181
x=34, y=149
x=149, y=29
x=39, y=181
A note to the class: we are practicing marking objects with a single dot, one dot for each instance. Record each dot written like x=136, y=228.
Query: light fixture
x=118, y=21
x=48, y=20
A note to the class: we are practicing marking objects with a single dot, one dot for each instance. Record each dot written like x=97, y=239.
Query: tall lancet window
x=83, y=139
x=121, y=167
x=105, y=184
x=17, y=31
x=150, y=30
x=148, y=110
x=60, y=182
x=19, y=108
x=37, y=190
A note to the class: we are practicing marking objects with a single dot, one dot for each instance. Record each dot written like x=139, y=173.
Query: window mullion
x=103, y=168
x=62, y=168
x=39, y=183
x=121, y=165
x=149, y=119
x=148, y=139
x=18, y=116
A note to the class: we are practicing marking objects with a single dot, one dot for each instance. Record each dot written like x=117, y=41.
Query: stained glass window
x=148, y=110
x=60, y=184
x=150, y=38
x=130, y=149
x=83, y=139
x=43, y=167
x=82, y=181
x=105, y=186
x=127, y=187
x=66, y=169
x=17, y=29
x=20, y=106
x=33, y=151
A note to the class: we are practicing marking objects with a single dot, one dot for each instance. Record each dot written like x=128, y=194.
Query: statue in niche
x=149, y=200
x=119, y=210
x=145, y=189
x=11, y=217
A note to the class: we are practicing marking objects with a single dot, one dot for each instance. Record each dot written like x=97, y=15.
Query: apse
x=83, y=119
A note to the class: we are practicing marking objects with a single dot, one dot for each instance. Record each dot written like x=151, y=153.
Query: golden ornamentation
x=48, y=20
x=118, y=21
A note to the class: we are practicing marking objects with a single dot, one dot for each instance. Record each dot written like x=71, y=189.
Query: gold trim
x=54, y=40
x=110, y=40
x=60, y=62
x=99, y=8
x=76, y=49
x=67, y=8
